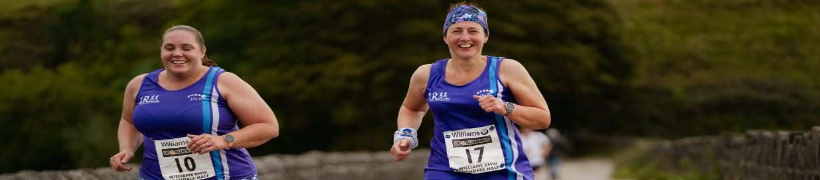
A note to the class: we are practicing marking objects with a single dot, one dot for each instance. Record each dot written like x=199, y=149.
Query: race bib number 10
x=474, y=150
x=176, y=162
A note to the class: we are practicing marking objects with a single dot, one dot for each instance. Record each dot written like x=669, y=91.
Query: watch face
x=229, y=138
x=510, y=107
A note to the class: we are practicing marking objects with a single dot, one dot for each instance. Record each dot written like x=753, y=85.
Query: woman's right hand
x=118, y=161
x=401, y=149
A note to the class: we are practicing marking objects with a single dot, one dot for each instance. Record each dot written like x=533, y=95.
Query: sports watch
x=509, y=107
x=229, y=139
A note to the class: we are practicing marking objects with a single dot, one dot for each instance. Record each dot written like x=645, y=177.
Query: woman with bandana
x=186, y=116
x=478, y=103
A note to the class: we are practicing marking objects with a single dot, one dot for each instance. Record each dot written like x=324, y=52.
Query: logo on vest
x=149, y=99
x=437, y=97
x=484, y=92
x=196, y=97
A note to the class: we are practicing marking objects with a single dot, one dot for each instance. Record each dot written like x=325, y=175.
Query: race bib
x=176, y=162
x=474, y=150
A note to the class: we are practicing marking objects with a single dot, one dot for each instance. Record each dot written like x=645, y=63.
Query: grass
x=637, y=163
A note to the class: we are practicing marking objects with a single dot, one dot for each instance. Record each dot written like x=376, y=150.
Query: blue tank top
x=161, y=114
x=462, y=130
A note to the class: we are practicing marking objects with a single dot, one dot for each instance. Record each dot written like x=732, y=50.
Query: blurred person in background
x=536, y=146
x=560, y=147
x=478, y=103
x=187, y=116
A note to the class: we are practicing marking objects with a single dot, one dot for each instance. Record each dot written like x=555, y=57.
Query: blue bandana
x=466, y=13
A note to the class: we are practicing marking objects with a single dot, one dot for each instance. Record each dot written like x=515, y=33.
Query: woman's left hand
x=205, y=143
x=491, y=104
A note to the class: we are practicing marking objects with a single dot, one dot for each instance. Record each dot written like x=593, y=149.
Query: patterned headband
x=466, y=13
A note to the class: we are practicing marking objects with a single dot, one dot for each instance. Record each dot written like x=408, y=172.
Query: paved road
x=582, y=169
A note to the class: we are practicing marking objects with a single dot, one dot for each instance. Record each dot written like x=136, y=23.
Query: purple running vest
x=461, y=121
x=162, y=114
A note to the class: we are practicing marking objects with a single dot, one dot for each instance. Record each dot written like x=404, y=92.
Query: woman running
x=478, y=103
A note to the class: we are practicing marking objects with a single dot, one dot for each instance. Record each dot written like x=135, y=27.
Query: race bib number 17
x=474, y=150
x=176, y=162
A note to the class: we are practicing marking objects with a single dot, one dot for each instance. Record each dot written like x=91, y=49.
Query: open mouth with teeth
x=465, y=45
x=177, y=61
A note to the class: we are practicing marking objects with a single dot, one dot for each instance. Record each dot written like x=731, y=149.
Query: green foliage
x=64, y=76
x=56, y=119
x=712, y=66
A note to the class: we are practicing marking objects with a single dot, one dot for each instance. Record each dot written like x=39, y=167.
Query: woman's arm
x=414, y=107
x=252, y=111
x=128, y=137
x=412, y=110
x=532, y=110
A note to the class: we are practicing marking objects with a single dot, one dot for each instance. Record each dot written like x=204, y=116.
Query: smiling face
x=465, y=40
x=181, y=52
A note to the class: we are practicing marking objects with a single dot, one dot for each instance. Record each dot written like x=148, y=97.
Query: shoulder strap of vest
x=206, y=100
x=492, y=75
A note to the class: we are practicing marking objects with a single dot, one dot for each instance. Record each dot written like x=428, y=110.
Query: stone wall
x=763, y=155
x=308, y=166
